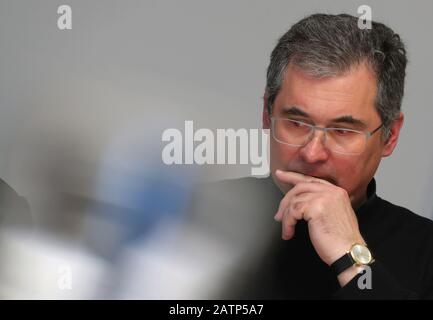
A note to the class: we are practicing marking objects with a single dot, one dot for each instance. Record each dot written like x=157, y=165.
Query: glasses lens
x=346, y=141
x=291, y=132
x=297, y=133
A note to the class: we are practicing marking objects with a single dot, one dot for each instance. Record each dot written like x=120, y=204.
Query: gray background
x=129, y=69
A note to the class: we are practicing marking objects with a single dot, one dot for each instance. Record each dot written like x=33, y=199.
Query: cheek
x=348, y=172
x=354, y=174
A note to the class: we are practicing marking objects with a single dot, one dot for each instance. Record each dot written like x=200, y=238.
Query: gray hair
x=325, y=45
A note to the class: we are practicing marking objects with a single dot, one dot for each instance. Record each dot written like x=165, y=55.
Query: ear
x=391, y=142
x=266, y=120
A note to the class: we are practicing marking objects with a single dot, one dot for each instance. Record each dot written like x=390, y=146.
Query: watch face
x=361, y=254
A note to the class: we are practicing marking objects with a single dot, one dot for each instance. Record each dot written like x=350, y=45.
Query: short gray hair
x=328, y=45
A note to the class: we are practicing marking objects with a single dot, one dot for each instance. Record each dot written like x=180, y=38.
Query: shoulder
x=403, y=240
x=240, y=187
x=236, y=204
x=242, y=194
x=403, y=226
x=8, y=196
x=405, y=217
x=14, y=209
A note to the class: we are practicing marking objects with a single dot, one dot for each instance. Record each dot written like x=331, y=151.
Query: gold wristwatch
x=359, y=255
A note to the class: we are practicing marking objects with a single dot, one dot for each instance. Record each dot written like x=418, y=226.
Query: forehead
x=352, y=93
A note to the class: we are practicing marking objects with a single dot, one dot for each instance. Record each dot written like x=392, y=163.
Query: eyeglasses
x=340, y=140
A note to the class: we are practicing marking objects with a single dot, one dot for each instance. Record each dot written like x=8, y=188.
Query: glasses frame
x=313, y=129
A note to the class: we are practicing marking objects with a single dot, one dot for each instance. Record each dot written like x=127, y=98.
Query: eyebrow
x=296, y=111
x=350, y=120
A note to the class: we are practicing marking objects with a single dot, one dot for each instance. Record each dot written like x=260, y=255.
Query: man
x=332, y=104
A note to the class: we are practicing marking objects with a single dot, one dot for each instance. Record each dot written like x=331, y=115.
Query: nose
x=315, y=150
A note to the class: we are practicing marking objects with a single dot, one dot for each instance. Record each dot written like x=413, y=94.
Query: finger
x=289, y=225
x=292, y=214
x=303, y=187
x=296, y=177
x=300, y=188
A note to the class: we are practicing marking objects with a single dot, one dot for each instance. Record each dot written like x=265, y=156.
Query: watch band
x=343, y=263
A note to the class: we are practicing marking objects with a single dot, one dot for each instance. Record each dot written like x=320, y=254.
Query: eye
x=342, y=132
x=298, y=124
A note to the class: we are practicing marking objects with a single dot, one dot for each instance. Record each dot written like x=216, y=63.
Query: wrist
x=352, y=262
x=344, y=248
x=347, y=275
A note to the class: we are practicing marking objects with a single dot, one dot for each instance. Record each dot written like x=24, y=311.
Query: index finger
x=296, y=177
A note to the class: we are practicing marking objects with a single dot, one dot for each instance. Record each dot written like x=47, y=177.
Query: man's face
x=325, y=102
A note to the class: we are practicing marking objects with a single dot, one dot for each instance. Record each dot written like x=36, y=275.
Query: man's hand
x=332, y=223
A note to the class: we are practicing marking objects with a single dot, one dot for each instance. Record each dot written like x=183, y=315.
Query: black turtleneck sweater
x=401, y=243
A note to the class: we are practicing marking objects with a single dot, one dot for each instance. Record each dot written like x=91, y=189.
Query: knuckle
x=341, y=192
x=320, y=207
